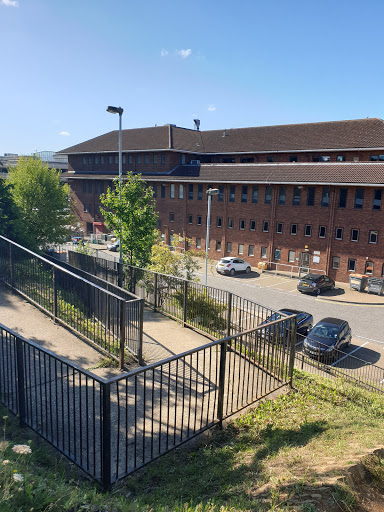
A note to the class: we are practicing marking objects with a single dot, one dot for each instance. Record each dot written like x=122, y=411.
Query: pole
x=120, y=279
x=207, y=239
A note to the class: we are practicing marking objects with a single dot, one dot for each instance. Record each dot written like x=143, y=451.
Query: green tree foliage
x=10, y=214
x=172, y=260
x=129, y=211
x=43, y=200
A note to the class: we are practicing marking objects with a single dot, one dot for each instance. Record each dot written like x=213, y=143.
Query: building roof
x=348, y=173
x=331, y=135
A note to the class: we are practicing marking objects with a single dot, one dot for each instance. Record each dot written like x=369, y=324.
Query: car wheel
x=248, y=270
x=318, y=292
x=232, y=272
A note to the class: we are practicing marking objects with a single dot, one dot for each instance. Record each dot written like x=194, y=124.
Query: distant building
x=54, y=160
x=305, y=194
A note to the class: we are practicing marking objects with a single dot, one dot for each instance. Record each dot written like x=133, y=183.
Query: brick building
x=308, y=194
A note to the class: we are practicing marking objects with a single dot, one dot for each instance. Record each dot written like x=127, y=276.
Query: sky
x=230, y=64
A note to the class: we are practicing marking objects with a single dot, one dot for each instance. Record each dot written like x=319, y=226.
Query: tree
x=129, y=210
x=10, y=214
x=43, y=200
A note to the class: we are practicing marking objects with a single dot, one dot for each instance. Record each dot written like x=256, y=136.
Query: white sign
x=316, y=259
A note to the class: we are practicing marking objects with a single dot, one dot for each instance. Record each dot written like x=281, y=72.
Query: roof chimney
x=197, y=124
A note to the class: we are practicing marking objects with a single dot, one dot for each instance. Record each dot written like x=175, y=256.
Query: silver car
x=232, y=265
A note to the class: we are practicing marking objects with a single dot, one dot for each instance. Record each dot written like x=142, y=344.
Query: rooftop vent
x=197, y=124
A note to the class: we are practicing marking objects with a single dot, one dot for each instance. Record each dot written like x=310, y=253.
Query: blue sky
x=231, y=64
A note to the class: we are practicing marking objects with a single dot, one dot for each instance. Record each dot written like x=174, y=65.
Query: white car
x=114, y=247
x=232, y=265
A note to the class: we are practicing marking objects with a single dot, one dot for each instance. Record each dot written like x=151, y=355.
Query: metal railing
x=292, y=271
x=108, y=318
x=111, y=428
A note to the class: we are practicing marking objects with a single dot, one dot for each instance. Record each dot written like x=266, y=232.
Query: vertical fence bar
x=11, y=267
x=54, y=285
x=140, y=340
x=220, y=399
x=106, y=436
x=292, y=347
x=122, y=334
x=20, y=379
x=185, y=301
x=155, y=294
x=229, y=314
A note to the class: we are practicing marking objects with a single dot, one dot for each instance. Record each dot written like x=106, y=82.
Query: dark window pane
x=296, y=196
x=343, y=197
x=255, y=194
x=232, y=194
x=325, y=197
x=200, y=192
x=377, y=199
x=311, y=196
x=220, y=197
x=359, y=198
x=282, y=195
x=244, y=192
x=268, y=194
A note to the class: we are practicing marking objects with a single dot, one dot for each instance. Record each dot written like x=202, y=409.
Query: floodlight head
x=115, y=110
x=212, y=191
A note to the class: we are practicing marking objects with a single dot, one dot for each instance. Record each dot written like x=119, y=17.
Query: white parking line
x=349, y=353
x=370, y=339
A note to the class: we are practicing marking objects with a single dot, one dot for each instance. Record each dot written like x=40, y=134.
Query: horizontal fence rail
x=112, y=322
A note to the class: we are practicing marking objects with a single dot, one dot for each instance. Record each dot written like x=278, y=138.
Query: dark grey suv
x=315, y=283
x=327, y=337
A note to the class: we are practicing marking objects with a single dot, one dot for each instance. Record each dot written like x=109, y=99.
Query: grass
x=275, y=457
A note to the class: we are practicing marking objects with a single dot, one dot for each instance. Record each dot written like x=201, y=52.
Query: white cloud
x=211, y=108
x=66, y=134
x=184, y=53
x=10, y=3
x=164, y=52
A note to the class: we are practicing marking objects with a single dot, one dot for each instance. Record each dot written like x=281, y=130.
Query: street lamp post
x=119, y=110
x=210, y=192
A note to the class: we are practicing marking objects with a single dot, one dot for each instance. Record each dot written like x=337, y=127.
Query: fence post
x=229, y=314
x=292, y=350
x=122, y=334
x=141, y=320
x=54, y=284
x=11, y=267
x=220, y=398
x=120, y=275
x=106, y=436
x=155, y=293
x=20, y=379
x=185, y=303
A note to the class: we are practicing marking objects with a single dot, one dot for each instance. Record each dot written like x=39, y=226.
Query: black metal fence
x=111, y=428
x=112, y=321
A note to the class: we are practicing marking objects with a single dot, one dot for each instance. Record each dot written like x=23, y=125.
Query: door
x=305, y=259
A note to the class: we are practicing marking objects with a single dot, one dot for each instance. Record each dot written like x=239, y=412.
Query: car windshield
x=325, y=331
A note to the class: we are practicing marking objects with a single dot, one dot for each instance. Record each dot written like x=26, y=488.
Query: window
x=230, y=223
x=102, y=160
x=325, y=197
x=96, y=160
x=163, y=158
x=190, y=219
x=308, y=230
x=268, y=194
x=373, y=237
x=336, y=262
x=376, y=158
x=293, y=229
x=252, y=225
x=293, y=158
x=116, y=159
x=377, y=199
x=172, y=191
x=351, y=265
x=90, y=187
x=198, y=243
x=85, y=208
x=354, y=235
x=229, y=247
x=154, y=188
x=311, y=196
x=130, y=159
x=138, y=159
x=220, y=196
x=110, y=160
x=247, y=160
x=270, y=159
x=171, y=217
x=228, y=160
x=321, y=159
x=265, y=226
x=181, y=191
x=190, y=191
x=84, y=160
x=90, y=161
x=155, y=159
x=242, y=224
x=199, y=192
x=279, y=227
x=218, y=245
x=340, y=158
x=296, y=196
x=146, y=159
x=263, y=252
x=343, y=197
x=219, y=222
x=244, y=193
x=232, y=194
x=90, y=207
x=368, y=267
x=282, y=195
x=101, y=187
x=359, y=198
x=241, y=249
x=84, y=185
x=338, y=233
x=277, y=254
x=255, y=194
x=322, y=231
x=198, y=220
x=163, y=190
x=291, y=256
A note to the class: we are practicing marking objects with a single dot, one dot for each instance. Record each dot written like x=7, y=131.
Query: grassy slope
x=277, y=451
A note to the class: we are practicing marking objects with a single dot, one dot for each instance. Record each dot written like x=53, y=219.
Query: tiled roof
x=322, y=173
x=360, y=133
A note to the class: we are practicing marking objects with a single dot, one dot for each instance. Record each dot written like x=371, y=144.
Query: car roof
x=293, y=311
x=311, y=276
x=330, y=320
